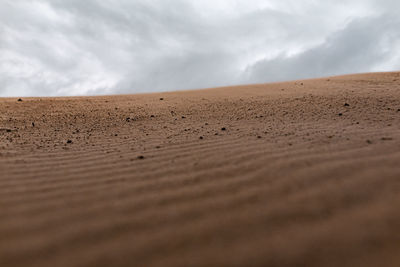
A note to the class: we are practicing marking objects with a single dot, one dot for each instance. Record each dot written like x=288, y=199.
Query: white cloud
x=56, y=47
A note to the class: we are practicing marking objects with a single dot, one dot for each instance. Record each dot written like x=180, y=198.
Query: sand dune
x=303, y=173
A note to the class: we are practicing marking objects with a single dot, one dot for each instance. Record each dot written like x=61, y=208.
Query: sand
x=302, y=173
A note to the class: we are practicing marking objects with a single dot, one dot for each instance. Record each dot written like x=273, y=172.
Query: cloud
x=105, y=47
x=367, y=44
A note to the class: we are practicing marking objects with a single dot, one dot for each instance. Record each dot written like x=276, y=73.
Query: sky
x=92, y=47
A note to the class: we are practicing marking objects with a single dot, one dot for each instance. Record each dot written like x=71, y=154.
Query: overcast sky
x=88, y=47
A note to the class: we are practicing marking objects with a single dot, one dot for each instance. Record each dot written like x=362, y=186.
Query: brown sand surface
x=303, y=173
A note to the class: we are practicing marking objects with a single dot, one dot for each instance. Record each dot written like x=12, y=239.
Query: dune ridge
x=300, y=173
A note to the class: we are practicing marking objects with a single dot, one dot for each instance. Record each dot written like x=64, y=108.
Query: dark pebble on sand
x=69, y=142
x=183, y=117
x=140, y=157
x=347, y=105
x=161, y=98
x=33, y=124
x=340, y=114
x=19, y=100
x=152, y=116
x=201, y=137
x=223, y=129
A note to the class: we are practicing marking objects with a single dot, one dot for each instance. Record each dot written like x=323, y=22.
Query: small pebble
x=223, y=129
x=140, y=157
x=19, y=100
x=69, y=142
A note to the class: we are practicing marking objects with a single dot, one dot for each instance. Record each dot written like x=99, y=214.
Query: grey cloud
x=104, y=47
x=362, y=46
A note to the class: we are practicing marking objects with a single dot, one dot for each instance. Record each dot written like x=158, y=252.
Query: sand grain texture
x=300, y=173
